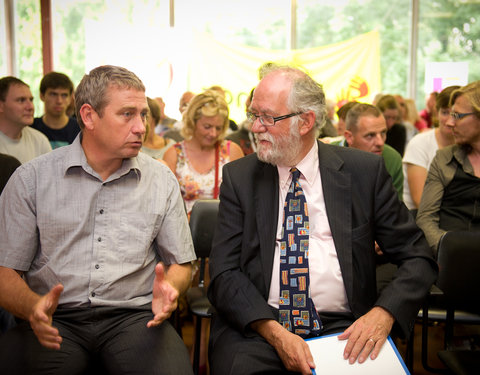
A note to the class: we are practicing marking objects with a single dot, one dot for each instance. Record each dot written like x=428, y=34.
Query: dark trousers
x=117, y=340
x=231, y=352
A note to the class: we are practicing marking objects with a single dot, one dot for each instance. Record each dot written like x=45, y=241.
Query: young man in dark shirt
x=56, y=92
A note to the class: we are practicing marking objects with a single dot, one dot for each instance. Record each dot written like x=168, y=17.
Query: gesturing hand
x=41, y=318
x=165, y=297
x=367, y=335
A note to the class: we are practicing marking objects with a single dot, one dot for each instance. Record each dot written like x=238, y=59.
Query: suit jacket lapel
x=337, y=190
x=266, y=203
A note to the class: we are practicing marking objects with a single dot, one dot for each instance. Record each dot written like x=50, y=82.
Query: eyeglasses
x=459, y=116
x=267, y=120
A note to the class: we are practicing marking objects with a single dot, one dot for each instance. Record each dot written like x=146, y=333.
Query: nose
x=139, y=127
x=30, y=104
x=380, y=139
x=214, y=132
x=257, y=126
x=450, y=122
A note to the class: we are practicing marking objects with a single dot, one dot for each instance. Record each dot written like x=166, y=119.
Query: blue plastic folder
x=327, y=352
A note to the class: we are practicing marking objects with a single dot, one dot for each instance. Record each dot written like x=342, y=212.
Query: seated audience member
x=174, y=133
x=411, y=130
x=8, y=164
x=342, y=116
x=165, y=122
x=396, y=132
x=17, y=138
x=56, y=93
x=366, y=130
x=421, y=150
x=232, y=126
x=328, y=129
x=428, y=113
x=98, y=275
x=243, y=136
x=154, y=144
x=413, y=117
x=198, y=160
x=341, y=126
x=450, y=197
x=249, y=265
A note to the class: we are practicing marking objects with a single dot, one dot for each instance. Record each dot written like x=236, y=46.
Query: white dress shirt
x=326, y=283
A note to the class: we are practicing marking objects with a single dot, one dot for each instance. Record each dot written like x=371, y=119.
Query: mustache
x=264, y=137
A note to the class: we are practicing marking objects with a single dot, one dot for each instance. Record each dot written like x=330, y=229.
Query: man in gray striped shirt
x=95, y=246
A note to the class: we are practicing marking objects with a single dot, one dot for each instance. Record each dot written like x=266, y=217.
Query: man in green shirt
x=366, y=130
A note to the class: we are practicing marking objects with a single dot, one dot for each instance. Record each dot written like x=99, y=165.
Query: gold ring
x=372, y=340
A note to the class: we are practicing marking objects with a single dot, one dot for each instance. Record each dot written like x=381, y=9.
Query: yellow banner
x=349, y=70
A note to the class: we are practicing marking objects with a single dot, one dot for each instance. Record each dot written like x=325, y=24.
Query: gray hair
x=306, y=94
x=93, y=87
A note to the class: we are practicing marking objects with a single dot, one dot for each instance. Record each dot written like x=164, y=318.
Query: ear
x=348, y=137
x=88, y=115
x=42, y=97
x=308, y=122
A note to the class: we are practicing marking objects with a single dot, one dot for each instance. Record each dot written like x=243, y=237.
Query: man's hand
x=165, y=297
x=367, y=335
x=292, y=349
x=41, y=318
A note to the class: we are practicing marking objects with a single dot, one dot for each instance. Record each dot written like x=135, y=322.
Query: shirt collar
x=308, y=167
x=76, y=158
x=459, y=154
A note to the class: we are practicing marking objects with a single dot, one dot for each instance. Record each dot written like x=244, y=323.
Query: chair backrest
x=459, y=269
x=203, y=220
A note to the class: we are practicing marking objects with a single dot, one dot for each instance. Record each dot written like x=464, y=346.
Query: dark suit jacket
x=362, y=207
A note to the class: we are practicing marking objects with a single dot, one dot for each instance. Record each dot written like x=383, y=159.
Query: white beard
x=282, y=149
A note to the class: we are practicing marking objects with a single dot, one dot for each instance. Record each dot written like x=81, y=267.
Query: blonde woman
x=197, y=161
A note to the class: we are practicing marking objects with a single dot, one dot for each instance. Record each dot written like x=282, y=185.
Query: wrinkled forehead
x=272, y=93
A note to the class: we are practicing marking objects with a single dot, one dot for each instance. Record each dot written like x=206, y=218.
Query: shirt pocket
x=136, y=234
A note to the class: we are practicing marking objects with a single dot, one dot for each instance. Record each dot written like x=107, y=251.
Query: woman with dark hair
x=421, y=150
x=396, y=132
x=154, y=144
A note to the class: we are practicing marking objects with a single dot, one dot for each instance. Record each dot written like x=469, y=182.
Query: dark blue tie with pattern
x=297, y=312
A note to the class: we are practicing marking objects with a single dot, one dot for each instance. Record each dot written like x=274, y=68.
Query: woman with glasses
x=451, y=197
x=422, y=148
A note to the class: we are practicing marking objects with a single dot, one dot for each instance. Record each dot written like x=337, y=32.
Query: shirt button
x=93, y=294
x=99, y=239
x=97, y=266
x=101, y=211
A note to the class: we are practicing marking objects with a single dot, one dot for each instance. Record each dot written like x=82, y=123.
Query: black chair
x=457, y=299
x=203, y=220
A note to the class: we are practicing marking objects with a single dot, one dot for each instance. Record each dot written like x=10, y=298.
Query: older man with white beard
x=351, y=204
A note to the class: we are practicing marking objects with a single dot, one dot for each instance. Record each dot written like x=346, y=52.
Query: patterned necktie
x=297, y=312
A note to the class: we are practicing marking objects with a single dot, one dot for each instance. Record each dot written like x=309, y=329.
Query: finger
x=157, y=320
x=378, y=347
x=53, y=297
x=50, y=344
x=346, y=334
x=366, y=350
x=309, y=358
x=352, y=340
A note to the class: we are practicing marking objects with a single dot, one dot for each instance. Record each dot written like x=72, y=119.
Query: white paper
x=327, y=354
